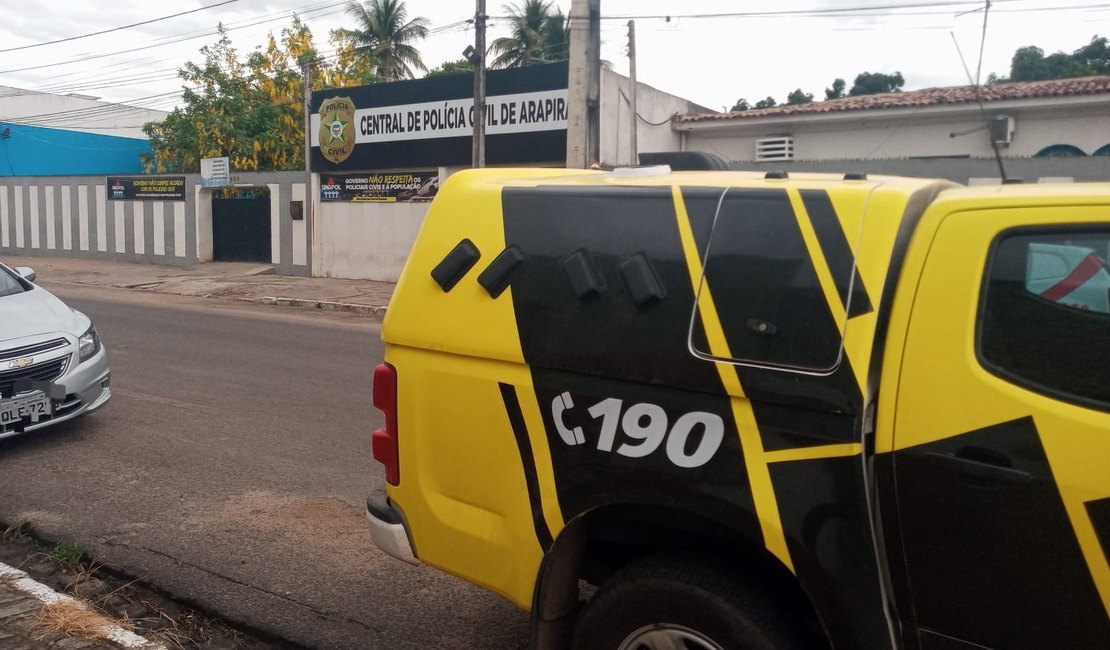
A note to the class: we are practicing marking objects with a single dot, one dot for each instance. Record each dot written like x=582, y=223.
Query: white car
x=52, y=365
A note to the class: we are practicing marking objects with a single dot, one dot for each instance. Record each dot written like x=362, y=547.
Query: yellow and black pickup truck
x=742, y=410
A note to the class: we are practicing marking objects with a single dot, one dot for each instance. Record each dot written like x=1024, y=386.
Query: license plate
x=36, y=406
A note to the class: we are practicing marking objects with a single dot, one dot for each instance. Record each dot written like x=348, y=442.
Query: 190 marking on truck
x=646, y=426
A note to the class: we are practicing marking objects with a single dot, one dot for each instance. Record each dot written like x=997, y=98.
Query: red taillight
x=384, y=441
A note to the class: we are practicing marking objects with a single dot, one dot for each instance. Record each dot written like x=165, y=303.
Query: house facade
x=1026, y=120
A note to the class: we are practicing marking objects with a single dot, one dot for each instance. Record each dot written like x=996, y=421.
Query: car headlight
x=88, y=344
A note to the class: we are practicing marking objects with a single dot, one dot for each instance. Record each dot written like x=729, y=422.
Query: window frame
x=854, y=282
x=1009, y=376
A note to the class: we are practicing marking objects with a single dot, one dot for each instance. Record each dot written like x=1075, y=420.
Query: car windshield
x=8, y=283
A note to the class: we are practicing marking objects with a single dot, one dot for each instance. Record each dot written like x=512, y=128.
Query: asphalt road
x=231, y=469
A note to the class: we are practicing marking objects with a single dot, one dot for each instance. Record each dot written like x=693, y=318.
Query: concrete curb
x=20, y=581
x=326, y=305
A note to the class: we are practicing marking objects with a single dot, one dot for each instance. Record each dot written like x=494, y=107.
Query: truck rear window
x=764, y=280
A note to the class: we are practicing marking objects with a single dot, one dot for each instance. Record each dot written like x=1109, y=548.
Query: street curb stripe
x=528, y=462
x=20, y=581
x=751, y=444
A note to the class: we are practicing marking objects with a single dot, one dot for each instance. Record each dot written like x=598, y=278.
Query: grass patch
x=68, y=557
x=69, y=619
x=18, y=529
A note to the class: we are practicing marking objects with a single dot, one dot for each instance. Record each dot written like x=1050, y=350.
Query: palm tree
x=557, y=36
x=538, y=36
x=384, y=35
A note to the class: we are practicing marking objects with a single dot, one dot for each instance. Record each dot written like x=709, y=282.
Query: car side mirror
x=26, y=272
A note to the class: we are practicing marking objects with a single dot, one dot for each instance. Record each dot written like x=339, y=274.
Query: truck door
x=1002, y=432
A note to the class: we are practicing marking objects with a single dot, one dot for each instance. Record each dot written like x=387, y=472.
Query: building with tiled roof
x=1065, y=117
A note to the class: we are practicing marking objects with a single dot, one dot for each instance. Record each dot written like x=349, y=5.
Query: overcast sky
x=697, y=53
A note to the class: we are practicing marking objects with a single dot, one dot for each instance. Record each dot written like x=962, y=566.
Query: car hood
x=38, y=312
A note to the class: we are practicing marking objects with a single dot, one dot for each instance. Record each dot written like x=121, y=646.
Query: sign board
x=146, y=188
x=430, y=122
x=215, y=172
x=381, y=187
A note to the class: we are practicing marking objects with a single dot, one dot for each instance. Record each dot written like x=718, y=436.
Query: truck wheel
x=684, y=603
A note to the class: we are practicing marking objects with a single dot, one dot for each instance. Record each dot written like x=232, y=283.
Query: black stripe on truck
x=990, y=551
x=838, y=253
x=759, y=270
x=575, y=309
x=823, y=504
x=528, y=462
x=1099, y=512
x=589, y=477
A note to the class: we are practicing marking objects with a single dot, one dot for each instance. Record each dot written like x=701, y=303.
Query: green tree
x=556, y=36
x=798, y=97
x=539, y=35
x=249, y=111
x=384, y=34
x=278, y=132
x=1029, y=63
x=451, y=67
x=766, y=103
x=837, y=90
x=215, y=119
x=740, y=105
x=872, y=83
x=349, y=67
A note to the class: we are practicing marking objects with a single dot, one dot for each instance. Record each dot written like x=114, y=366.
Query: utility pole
x=584, y=83
x=632, y=92
x=306, y=79
x=479, y=158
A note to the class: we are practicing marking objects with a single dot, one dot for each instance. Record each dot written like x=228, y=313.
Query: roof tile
x=925, y=97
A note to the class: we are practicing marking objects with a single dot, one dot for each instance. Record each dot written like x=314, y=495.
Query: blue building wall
x=39, y=151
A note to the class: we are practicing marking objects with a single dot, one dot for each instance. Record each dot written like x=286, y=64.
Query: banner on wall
x=146, y=188
x=429, y=122
x=380, y=187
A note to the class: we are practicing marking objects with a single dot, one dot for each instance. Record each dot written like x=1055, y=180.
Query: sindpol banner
x=146, y=188
x=383, y=187
x=429, y=122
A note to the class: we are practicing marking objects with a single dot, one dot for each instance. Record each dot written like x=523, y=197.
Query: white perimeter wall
x=653, y=132
x=364, y=240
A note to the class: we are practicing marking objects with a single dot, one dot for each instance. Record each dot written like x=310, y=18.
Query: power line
x=116, y=29
x=171, y=41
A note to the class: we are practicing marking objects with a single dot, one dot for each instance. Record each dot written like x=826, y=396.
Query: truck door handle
x=983, y=464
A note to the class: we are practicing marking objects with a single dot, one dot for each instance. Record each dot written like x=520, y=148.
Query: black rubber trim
x=642, y=281
x=461, y=259
x=495, y=279
x=585, y=280
x=379, y=506
x=528, y=462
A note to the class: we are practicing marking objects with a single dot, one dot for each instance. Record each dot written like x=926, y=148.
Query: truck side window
x=773, y=310
x=1045, y=318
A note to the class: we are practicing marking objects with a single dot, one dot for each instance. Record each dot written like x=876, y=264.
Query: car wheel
x=683, y=603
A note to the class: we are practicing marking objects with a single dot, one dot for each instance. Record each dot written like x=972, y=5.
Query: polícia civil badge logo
x=337, y=128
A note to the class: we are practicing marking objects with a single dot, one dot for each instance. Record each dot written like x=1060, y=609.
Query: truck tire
x=684, y=602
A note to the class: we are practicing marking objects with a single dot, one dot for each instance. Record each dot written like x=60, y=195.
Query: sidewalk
x=249, y=281
x=32, y=617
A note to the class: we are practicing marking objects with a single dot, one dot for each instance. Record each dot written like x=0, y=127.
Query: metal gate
x=241, y=228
